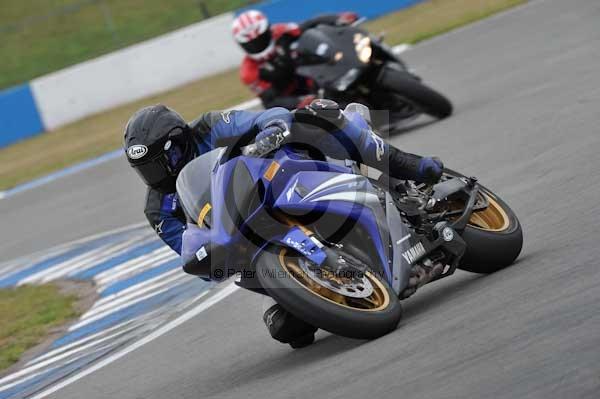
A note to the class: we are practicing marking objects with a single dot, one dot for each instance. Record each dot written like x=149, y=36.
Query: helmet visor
x=153, y=171
x=179, y=150
x=260, y=43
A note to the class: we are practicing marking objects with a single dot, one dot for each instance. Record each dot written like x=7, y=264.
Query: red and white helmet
x=252, y=31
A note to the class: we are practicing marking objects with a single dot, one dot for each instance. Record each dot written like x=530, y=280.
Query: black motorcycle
x=348, y=65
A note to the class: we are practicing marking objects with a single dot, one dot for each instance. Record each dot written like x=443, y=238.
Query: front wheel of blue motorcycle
x=360, y=305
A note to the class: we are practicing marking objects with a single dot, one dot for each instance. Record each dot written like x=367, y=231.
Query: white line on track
x=112, y=251
x=140, y=286
x=125, y=326
x=157, y=256
x=57, y=269
x=76, y=350
x=51, y=360
x=61, y=173
x=58, y=364
x=24, y=379
x=115, y=309
x=10, y=267
x=47, y=253
x=22, y=262
x=77, y=263
x=178, y=277
x=218, y=296
x=136, y=293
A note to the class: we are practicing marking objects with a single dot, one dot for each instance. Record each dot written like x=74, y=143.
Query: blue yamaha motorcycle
x=335, y=246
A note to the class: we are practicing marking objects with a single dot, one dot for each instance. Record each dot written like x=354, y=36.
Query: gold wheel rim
x=493, y=218
x=377, y=301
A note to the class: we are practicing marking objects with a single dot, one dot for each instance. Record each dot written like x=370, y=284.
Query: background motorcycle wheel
x=278, y=272
x=426, y=99
x=494, y=236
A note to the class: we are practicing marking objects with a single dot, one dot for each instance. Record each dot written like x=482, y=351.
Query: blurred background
x=41, y=36
x=79, y=68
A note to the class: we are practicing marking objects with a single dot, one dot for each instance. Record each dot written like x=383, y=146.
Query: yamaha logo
x=137, y=151
x=414, y=253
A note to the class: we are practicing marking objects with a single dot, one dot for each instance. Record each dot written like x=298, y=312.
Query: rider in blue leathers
x=159, y=143
x=159, y=168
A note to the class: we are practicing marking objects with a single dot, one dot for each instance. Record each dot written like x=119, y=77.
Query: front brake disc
x=352, y=283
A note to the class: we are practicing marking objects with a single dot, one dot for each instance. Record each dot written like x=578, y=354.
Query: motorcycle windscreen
x=327, y=53
x=194, y=187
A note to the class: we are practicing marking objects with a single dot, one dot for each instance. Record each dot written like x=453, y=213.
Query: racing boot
x=285, y=327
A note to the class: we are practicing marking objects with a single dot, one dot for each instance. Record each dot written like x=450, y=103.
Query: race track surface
x=92, y=201
x=527, y=92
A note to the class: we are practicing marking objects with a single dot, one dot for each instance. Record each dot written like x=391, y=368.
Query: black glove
x=430, y=169
x=276, y=71
x=403, y=165
x=321, y=113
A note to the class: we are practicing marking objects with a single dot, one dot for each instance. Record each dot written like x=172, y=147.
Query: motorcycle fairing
x=254, y=190
x=401, y=241
x=348, y=195
x=319, y=46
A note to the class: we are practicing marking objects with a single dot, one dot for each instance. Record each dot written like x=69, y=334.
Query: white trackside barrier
x=135, y=72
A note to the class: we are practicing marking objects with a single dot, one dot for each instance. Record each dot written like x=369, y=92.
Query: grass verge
x=41, y=36
x=100, y=133
x=27, y=314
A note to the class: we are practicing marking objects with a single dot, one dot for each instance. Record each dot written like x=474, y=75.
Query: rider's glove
x=276, y=70
x=278, y=125
x=271, y=137
x=430, y=169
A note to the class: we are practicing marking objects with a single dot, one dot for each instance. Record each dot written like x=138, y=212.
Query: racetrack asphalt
x=527, y=92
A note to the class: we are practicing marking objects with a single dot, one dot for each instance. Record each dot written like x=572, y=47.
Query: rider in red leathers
x=267, y=68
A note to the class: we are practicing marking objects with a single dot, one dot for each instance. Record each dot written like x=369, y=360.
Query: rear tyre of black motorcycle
x=308, y=305
x=426, y=99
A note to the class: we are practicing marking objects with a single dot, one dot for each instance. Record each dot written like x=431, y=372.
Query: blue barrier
x=19, y=116
x=294, y=10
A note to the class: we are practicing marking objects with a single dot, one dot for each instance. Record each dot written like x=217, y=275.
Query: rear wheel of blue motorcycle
x=278, y=272
x=494, y=237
